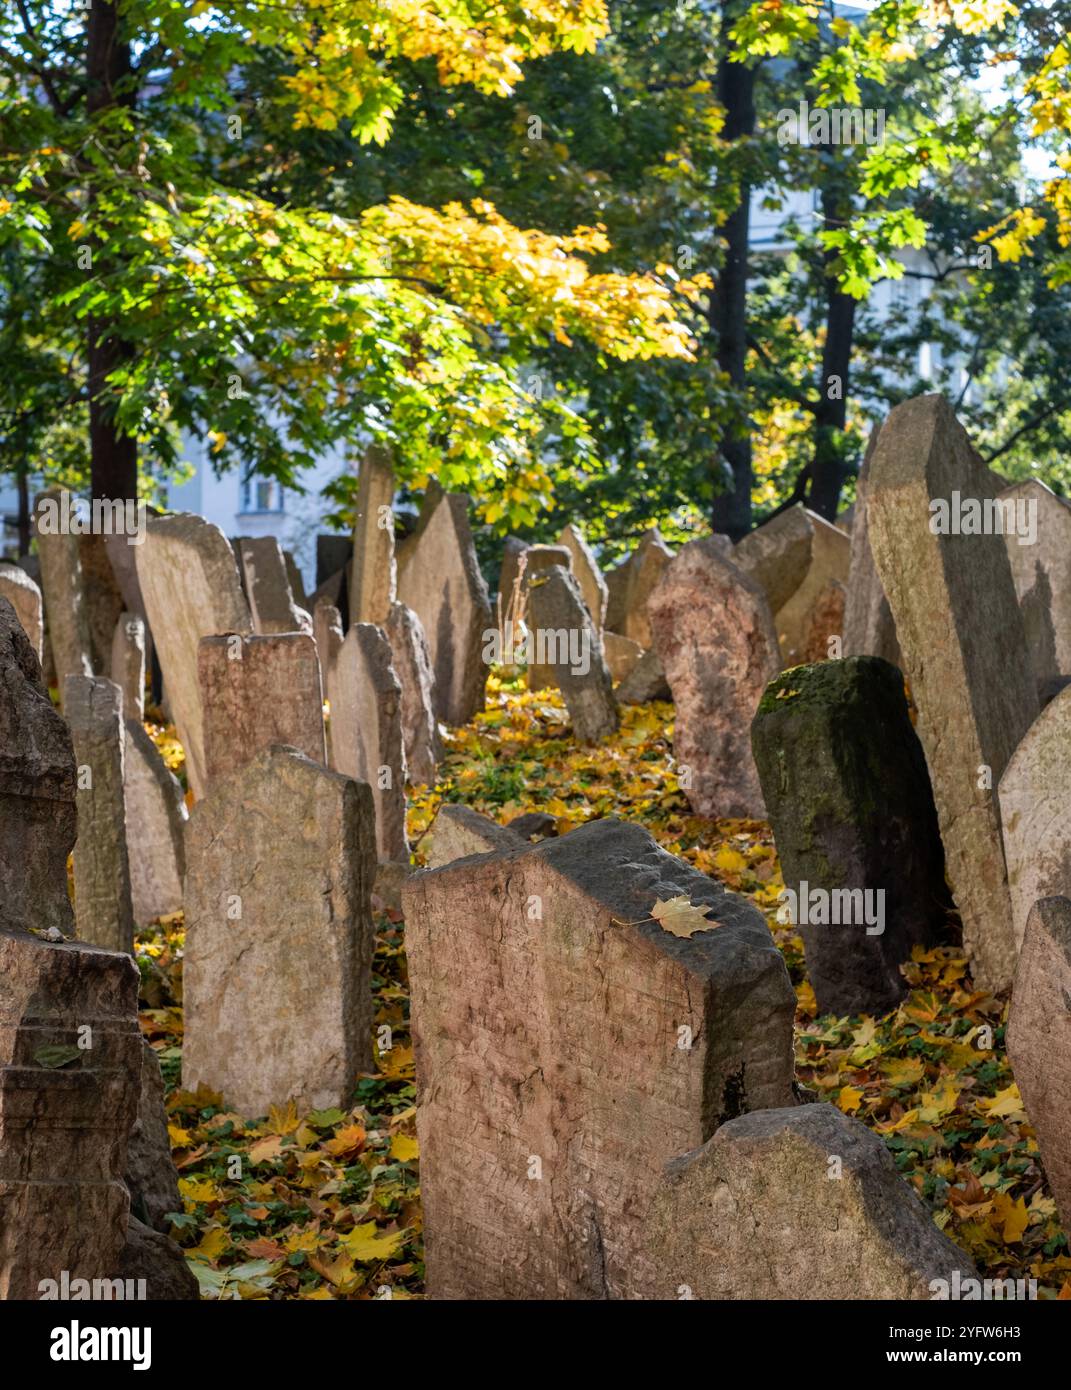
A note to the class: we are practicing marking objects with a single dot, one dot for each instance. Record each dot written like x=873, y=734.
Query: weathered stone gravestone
x=1038, y=540
x=329, y=635
x=411, y=661
x=509, y=573
x=560, y=624
x=373, y=579
x=276, y=983
x=567, y=1046
x=715, y=639
x=155, y=825
x=848, y=796
x=538, y=560
x=103, y=911
x=151, y=1177
x=1039, y=1039
x=128, y=663
x=795, y=619
x=823, y=629
x=1035, y=812
x=70, y=1067
x=588, y=574
x=190, y=585
x=869, y=629
x=645, y=682
x=63, y=589
x=631, y=583
x=796, y=1204
x=37, y=791
x=777, y=554
x=964, y=654
x=366, y=731
x=25, y=597
x=440, y=580
x=333, y=553
x=622, y=654
x=267, y=587
x=458, y=831
x=103, y=597
x=255, y=692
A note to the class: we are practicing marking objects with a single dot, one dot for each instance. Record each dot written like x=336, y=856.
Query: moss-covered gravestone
x=849, y=799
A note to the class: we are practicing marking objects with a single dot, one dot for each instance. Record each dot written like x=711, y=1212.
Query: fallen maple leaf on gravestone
x=681, y=917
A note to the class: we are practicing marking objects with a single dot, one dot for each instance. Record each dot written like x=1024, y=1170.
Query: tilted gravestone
x=777, y=554
x=37, y=791
x=567, y=1045
x=267, y=586
x=797, y=1204
x=1039, y=1039
x=103, y=910
x=25, y=597
x=869, y=629
x=622, y=654
x=715, y=639
x=440, y=580
x=587, y=571
x=411, y=661
x=373, y=578
x=1035, y=812
x=848, y=796
x=366, y=731
x=1038, y=540
x=257, y=691
x=795, y=619
x=964, y=652
x=458, y=831
x=630, y=585
x=280, y=858
x=190, y=585
x=128, y=663
x=155, y=826
x=560, y=624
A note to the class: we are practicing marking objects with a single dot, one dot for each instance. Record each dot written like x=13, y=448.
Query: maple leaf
x=364, y=1245
x=264, y=1150
x=404, y=1148
x=850, y=1099
x=349, y=1140
x=680, y=917
x=1004, y=1104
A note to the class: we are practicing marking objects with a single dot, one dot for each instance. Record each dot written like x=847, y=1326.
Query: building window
x=262, y=495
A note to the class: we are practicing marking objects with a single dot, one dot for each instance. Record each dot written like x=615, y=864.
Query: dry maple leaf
x=681, y=917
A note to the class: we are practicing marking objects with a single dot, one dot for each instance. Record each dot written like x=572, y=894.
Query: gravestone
x=276, y=979
x=127, y=663
x=567, y=1046
x=848, y=796
x=267, y=587
x=103, y=597
x=539, y=559
x=333, y=553
x=587, y=571
x=440, y=580
x=1035, y=812
x=70, y=1069
x=373, y=579
x=37, y=791
x=1039, y=1039
x=155, y=824
x=964, y=653
x=25, y=597
x=797, y=1204
x=366, y=731
x=645, y=682
x=458, y=831
x=509, y=573
x=869, y=629
x=559, y=621
x=778, y=554
x=190, y=585
x=622, y=654
x=257, y=691
x=716, y=641
x=823, y=630
x=795, y=619
x=63, y=589
x=412, y=665
x=151, y=1177
x=631, y=584
x=294, y=577
x=103, y=910
x=1041, y=573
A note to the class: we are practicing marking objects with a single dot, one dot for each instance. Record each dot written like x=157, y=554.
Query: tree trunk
x=731, y=510
x=827, y=462
x=113, y=453
x=22, y=482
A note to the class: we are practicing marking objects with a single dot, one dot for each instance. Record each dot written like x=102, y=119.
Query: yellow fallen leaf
x=213, y=1243
x=850, y=1099
x=903, y=1071
x=682, y=918
x=404, y=1147
x=199, y=1189
x=364, y=1245
x=1004, y=1104
x=264, y=1150
x=1012, y=1215
x=283, y=1121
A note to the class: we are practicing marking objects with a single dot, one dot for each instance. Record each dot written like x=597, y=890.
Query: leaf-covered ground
x=327, y=1205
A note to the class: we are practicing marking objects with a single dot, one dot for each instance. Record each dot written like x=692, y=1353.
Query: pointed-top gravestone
x=37, y=791
x=777, y=554
x=1038, y=540
x=636, y=579
x=63, y=587
x=795, y=620
x=439, y=579
x=190, y=585
x=411, y=661
x=373, y=578
x=715, y=639
x=25, y=597
x=567, y=641
x=277, y=975
x=869, y=629
x=964, y=651
x=267, y=586
x=538, y=560
x=588, y=574
x=568, y=1045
